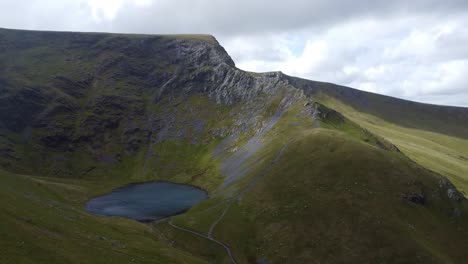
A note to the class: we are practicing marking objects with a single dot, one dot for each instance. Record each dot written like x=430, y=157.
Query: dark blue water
x=147, y=202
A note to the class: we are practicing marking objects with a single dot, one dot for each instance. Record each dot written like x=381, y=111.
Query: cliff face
x=64, y=92
x=113, y=96
x=41, y=68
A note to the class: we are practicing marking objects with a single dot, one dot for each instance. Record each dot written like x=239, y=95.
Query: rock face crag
x=88, y=93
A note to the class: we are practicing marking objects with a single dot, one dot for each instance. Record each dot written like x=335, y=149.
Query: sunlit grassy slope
x=444, y=154
x=447, y=120
x=333, y=196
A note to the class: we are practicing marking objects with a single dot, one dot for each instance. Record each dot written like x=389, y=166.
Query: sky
x=416, y=50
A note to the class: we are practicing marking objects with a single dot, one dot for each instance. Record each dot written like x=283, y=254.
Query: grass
x=324, y=203
x=180, y=161
x=198, y=246
x=196, y=37
x=441, y=153
x=43, y=221
x=446, y=120
x=315, y=206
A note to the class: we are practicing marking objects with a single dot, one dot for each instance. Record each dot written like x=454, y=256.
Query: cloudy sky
x=416, y=50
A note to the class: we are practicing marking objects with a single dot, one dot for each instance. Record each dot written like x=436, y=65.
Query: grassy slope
x=440, y=119
x=43, y=221
x=313, y=206
x=446, y=155
x=33, y=61
x=29, y=204
x=324, y=203
x=178, y=160
x=333, y=197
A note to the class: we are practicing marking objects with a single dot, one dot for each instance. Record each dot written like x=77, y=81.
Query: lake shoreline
x=146, y=202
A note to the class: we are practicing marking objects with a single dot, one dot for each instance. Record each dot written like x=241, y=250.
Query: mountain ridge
x=326, y=173
x=212, y=39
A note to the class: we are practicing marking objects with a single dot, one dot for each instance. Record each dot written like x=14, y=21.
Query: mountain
x=297, y=171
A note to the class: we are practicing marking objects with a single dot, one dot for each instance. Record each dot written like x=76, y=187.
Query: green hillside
x=438, y=152
x=297, y=171
x=331, y=197
x=43, y=221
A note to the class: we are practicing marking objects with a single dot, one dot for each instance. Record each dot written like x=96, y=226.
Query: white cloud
x=143, y=3
x=314, y=55
x=104, y=9
x=406, y=62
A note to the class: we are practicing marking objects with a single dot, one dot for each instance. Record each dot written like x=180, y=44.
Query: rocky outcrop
x=414, y=197
x=443, y=119
x=20, y=105
x=415, y=193
x=223, y=83
x=319, y=112
x=452, y=193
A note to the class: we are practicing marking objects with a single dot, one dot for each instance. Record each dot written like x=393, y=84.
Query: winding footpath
x=252, y=183
x=215, y=223
x=228, y=250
